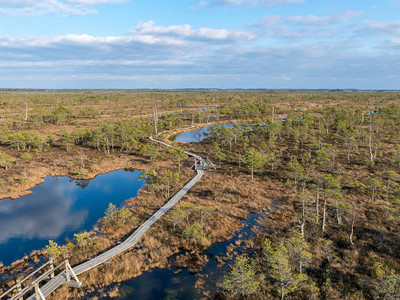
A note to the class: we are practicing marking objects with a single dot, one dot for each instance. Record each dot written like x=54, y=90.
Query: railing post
x=37, y=294
x=19, y=289
x=52, y=267
x=67, y=272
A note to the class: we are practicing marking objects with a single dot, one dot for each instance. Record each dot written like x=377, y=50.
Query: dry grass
x=229, y=190
x=233, y=199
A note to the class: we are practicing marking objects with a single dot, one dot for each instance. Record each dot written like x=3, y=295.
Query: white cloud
x=84, y=40
x=380, y=28
x=295, y=28
x=186, y=32
x=199, y=5
x=314, y=50
x=96, y=2
x=277, y=2
x=17, y=3
x=254, y=2
x=325, y=20
x=60, y=7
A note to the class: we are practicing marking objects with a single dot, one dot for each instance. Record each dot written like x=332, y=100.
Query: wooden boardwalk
x=58, y=280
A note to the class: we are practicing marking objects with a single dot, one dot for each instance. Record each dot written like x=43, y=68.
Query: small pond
x=160, y=284
x=166, y=284
x=58, y=208
x=197, y=135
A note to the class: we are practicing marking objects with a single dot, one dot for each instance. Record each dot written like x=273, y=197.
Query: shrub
x=195, y=232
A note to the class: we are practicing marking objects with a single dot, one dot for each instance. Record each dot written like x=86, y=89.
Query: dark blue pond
x=197, y=135
x=165, y=284
x=58, y=208
x=160, y=284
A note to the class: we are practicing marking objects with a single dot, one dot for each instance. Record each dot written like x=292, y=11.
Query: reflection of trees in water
x=205, y=135
x=198, y=136
x=82, y=183
x=202, y=134
x=130, y=170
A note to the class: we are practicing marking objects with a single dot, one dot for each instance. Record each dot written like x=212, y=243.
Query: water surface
x=197, y=135
x=160, y=284
x=58, y=208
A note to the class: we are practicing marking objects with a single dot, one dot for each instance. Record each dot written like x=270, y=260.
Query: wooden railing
x=18, y=291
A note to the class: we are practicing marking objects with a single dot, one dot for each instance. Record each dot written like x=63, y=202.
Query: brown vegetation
x=339, y=266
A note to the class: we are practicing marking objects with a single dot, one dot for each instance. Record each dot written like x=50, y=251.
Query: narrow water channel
x=58, y=208
x=197, y=135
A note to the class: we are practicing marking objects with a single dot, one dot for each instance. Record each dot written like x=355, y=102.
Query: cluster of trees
x=40, y=116
x=22, y=140
x=362, y=135
x=117, y=217
x=163, y=182
x=83, y=241
x=125, y=135
x=281, y=270
x=281, y=266
x=6, y=160
x=247, y=110
x=58, y=116
x=337, y=165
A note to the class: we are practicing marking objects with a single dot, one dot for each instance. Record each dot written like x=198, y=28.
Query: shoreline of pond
x=59, y=208
x=109, y=164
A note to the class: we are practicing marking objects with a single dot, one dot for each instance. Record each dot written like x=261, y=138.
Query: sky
x=130, y=44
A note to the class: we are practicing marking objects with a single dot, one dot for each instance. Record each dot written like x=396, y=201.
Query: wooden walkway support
x=58, y=280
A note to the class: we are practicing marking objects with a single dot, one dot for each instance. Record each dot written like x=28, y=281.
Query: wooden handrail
x=25, y=279
x=37, y=280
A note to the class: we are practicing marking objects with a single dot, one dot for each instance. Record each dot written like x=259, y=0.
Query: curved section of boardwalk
x=57, y=281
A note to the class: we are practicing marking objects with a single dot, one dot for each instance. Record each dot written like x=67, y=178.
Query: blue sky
x=200, y=44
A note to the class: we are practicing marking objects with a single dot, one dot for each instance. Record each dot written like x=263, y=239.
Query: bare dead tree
x=352, y=225
x=155, y=113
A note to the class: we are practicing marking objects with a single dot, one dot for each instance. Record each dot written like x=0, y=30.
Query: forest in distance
x=325, y=164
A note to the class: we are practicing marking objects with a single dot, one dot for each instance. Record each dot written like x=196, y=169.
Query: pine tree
x=6, y=160
x=242, y=280
x=178, y=153
x=253, y=160
x=281, y=271
x=177, y=215
x=298, y=250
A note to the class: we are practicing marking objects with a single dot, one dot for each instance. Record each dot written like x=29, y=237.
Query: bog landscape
x=298, y=199
x=199, y=149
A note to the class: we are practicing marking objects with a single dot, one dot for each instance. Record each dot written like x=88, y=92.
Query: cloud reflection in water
x=58, y=208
